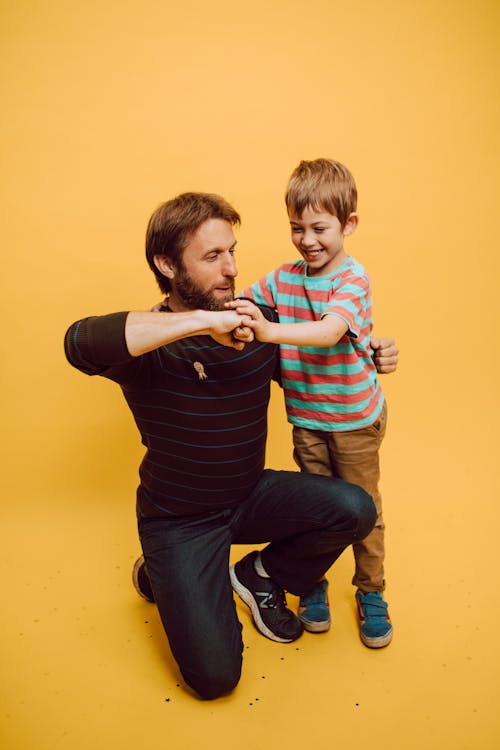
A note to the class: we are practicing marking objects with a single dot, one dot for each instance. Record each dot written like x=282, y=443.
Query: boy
x=333, y=398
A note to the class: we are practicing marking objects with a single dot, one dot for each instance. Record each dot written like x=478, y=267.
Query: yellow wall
x=111, y=107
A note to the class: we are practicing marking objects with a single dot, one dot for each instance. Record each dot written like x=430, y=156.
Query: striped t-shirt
x=326, y=388
x=201, y=409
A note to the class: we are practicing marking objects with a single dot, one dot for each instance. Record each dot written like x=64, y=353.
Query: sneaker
x=140, y=579
x=266, y=601
x=314, y=611
x=375, y=627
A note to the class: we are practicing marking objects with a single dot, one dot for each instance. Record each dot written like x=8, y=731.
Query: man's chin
x=219, y=299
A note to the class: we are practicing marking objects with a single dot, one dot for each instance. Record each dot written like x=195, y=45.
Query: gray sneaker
x=266, y=600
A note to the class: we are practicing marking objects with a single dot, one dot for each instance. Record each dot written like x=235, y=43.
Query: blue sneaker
x=314, y=611
x=375, y=627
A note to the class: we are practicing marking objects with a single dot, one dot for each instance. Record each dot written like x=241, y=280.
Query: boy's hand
x=255, y=319
x=385, y=354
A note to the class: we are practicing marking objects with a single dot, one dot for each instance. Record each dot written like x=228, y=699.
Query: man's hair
x=173, y=223
x=323, y=185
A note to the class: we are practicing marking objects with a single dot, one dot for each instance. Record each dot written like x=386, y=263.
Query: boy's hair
x=173, y=222
x=322, y=184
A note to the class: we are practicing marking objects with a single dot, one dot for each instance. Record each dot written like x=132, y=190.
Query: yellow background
x=110, y=108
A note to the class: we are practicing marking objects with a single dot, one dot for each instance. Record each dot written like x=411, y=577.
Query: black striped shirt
x=201, y=409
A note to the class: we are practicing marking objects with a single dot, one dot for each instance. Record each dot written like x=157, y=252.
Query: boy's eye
x=318, y=230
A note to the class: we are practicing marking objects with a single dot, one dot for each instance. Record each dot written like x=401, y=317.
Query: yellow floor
x=86, y=664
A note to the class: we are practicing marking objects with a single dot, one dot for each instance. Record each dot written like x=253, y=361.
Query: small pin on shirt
x=202, y=375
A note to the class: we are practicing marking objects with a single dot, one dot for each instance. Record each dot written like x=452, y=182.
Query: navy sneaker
x=375, y=627
x=140, y=579
x=266, y=601
x=314, y=610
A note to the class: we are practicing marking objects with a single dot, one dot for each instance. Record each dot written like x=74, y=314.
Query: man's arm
x=101, y=343
x=145, y=331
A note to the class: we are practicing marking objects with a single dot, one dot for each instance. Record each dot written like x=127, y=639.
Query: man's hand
x=243, y=333
x=229, y=328
x=385, y=354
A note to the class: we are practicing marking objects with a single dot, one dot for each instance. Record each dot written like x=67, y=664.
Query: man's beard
x=194, y=297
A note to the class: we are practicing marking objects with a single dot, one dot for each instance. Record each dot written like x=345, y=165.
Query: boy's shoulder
x=294, y=268
x=352, y=267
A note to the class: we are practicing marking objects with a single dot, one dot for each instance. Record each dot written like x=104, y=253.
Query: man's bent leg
x=188, y=566
x=309, y=519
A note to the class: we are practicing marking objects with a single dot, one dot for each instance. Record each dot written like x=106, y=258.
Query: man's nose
x=229, y=267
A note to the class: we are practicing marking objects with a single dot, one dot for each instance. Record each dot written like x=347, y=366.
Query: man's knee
x=214, y=681
x=363, y=509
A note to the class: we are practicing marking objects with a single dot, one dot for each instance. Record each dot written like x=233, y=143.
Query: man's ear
x=351, y=224
x=165, y=266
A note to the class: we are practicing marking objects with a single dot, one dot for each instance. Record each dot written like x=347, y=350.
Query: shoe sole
x=247, y=597
x=315, y=627
x=379, y=642
x=135, y=579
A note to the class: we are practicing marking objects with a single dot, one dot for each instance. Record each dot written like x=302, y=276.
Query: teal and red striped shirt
x=326, y=388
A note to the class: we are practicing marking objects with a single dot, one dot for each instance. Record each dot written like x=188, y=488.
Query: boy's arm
x=325, y=332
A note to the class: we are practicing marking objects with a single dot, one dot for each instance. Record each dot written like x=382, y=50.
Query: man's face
x=204, y=277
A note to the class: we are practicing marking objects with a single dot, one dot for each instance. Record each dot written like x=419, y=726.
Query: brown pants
x=354, y=457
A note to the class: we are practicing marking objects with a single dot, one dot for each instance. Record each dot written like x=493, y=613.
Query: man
x=199, y=395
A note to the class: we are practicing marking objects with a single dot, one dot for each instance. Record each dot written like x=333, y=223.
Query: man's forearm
x=145, y=331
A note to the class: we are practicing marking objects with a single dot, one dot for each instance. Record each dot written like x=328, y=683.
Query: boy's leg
x=354, y=456
x=187, y=562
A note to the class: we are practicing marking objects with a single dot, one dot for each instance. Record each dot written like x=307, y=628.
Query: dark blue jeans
x=308, y=520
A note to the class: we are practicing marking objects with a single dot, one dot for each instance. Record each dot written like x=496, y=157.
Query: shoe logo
x=266, y=601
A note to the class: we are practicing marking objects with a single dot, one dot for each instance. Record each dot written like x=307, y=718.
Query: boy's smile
x=319, y=238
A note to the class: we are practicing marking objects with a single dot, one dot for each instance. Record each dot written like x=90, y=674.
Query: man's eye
x=319, y=230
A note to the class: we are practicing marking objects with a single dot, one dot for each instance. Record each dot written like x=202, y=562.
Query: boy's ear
x=351, y=224
x=165, y=266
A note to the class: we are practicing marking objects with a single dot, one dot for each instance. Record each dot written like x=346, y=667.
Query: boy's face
x=319, y=238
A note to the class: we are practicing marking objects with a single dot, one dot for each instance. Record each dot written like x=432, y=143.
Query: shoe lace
x=273, y=598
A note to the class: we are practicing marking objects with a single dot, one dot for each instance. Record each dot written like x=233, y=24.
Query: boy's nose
x=308, y=240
